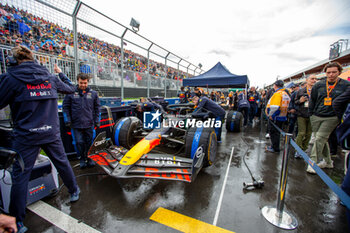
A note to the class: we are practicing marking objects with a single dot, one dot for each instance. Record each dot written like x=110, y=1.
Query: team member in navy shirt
x=243, y=106
x=254, y=99
x=217, y=110
x=31, y=91
x=81, y=112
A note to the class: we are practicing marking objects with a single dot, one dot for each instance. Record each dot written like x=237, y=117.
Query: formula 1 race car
x=130, y=152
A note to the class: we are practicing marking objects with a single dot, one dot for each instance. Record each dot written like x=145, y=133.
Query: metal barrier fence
x=66, y=64
x=277, y=216
x=104, y=74
x=78, y=20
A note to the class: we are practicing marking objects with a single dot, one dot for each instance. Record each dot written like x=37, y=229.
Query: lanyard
x=330, y=89
x=308, y=91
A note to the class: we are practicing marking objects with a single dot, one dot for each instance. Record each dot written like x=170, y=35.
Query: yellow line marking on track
x=183, y=223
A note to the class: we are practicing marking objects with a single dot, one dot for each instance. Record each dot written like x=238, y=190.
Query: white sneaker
x=324, y=164
x=267, y=136
x=310, y=170
x=330, y=165
x=313, y=138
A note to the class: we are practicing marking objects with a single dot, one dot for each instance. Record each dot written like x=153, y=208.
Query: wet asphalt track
x=111, y=205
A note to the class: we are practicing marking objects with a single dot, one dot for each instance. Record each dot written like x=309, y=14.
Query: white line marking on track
x=222, y=190
x=60, y=219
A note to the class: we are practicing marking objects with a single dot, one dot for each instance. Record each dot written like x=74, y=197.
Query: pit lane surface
x=111, y=205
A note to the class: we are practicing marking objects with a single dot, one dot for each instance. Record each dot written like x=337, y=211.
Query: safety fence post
x=277, y=216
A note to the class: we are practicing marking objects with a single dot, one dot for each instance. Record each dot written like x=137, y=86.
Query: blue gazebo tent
x=217, y=77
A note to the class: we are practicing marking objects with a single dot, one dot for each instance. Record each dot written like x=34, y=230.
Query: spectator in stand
x=323, y=118
x=85, y=68
x=302, y=101
x=54, y=40
x=276, y=110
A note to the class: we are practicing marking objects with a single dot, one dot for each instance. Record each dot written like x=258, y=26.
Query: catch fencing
x=79, y=19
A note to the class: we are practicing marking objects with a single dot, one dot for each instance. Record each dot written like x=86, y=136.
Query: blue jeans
x=83, y=140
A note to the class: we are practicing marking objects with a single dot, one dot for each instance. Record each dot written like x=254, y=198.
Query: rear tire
x=123, y=132
x=204, y=137
x=234, y=121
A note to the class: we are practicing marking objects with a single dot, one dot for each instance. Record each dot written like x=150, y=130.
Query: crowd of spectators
x=19, y=27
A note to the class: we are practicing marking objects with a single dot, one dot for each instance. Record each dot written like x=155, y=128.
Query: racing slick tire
x=204, y=137
x=234, y=121
x=123, y=132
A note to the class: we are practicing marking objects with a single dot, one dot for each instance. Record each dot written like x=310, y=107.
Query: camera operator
x=31, y=91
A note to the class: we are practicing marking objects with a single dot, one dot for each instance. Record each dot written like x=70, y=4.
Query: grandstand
x=339, y=52
x=85, y=45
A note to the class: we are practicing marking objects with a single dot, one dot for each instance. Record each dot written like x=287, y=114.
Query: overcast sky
x=263, y=39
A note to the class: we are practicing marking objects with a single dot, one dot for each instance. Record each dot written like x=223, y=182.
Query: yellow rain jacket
x=277, y=106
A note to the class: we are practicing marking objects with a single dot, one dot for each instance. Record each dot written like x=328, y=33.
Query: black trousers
x=275, y=135
x=245, y=112
x=252, y=112
x=333, y=143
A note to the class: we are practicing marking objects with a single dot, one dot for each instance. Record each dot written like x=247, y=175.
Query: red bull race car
x=134, y=152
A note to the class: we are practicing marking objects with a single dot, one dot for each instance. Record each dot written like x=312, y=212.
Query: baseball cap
x=279, y=83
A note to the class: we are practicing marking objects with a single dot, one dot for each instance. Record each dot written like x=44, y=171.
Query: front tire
x=204, y=137
x=124, y=132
